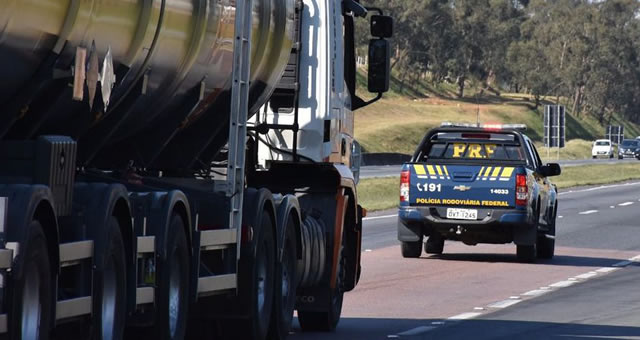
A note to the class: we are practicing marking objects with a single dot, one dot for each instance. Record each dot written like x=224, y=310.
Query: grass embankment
x=382, y=193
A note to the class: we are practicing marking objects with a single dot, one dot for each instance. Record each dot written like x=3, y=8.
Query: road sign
x=615, y=133
x=554, y=126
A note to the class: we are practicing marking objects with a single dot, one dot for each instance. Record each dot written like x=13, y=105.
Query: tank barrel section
x=111, y=73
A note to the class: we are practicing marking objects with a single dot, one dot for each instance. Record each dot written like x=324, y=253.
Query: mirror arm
x=358, y=103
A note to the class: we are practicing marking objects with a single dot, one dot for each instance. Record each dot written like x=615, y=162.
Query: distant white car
x=602, y=147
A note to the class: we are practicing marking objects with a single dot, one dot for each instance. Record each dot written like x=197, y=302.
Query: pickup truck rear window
x=475, y=146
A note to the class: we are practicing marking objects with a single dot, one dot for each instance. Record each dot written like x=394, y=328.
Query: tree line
x=584, y=53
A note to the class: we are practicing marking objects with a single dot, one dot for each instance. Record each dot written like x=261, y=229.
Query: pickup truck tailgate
x=485, y=186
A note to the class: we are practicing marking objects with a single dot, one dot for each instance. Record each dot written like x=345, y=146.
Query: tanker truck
x=180, y=168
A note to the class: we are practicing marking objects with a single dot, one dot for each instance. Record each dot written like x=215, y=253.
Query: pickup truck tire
x=546, y=246
x=526, y=253
x=434, y=244
x=594, y=157
x=411, y=249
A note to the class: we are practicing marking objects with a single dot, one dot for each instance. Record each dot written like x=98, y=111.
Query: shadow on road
x=558, y=260
x=478, y=329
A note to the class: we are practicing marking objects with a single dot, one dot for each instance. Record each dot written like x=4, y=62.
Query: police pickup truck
x=474, y=184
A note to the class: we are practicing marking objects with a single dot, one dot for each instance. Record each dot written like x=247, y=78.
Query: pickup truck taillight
x=404, y=185
x=521, y=190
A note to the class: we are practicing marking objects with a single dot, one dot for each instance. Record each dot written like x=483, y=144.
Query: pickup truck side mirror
x=551, y=169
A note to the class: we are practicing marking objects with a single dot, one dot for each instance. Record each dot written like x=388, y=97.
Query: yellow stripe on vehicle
x=419, y=168
x=480, y=173
x=431, y=171
x=446, y=172
x=439, y=170
x=496, y=171
x=486, y=173
x=507, y=172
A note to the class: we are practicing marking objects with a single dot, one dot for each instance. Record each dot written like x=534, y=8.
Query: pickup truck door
x=542, y=181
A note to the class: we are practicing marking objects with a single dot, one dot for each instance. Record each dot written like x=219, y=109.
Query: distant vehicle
x=629, y=148
x=602, y=147
x=477, y=185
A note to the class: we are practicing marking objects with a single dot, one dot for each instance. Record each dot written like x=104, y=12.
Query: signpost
x=554, y=122
x=615, y=133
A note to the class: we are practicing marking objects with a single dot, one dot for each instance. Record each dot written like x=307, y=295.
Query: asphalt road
x=394, y=170
x=588, y=291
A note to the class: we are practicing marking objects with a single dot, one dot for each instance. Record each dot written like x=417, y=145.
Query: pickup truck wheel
x=546, y=246
x=434, y=244
x=526, y=253
x=594, y=157
x=411, y=249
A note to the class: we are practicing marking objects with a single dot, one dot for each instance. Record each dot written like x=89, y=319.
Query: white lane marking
x=625, y=204
x=464, y=316
x=379, y=217
x=606, y=269
x=612, y=206
x=536, y=292
x=560, y=216
x=416, y=331
x=621, y=264
x=586, y=275
x=588, y=212
x=504, y=303
x=478, y=308
x=599, y=188
x=367, y=250
x=562, y=284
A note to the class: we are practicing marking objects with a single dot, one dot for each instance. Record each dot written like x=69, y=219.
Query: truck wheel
x=110, y=288
x=546, y=246
x=31, y=294
x=594, y=157
x=434, y=244
x=258, y=285
x=327, y=321
x=173, y=285
x=411, y=249
x=285, y=286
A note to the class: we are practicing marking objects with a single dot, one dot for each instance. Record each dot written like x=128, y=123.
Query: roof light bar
x=519, y=127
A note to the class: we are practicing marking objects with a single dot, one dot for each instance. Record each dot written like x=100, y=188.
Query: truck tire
x=31, y=296
x=285, y=286
x=109, y=299
x=173, y=285
x=411, y=249
x=546, y=246
x=526, y=253
x=259, y=286
x=327, y=321
x=434, y=244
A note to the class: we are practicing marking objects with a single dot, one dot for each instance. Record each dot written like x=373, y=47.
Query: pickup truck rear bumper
x=496, y=226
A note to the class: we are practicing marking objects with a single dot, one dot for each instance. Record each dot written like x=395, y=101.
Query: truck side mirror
x=379, y=66
x=381, y=26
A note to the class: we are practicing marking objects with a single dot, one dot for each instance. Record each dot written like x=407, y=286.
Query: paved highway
x=589, y=290
x=394, y=170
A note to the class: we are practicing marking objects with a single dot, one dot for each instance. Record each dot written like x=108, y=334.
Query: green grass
x=382, y=193
x=398, y=121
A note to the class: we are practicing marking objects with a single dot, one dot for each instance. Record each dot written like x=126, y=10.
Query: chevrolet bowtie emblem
x=461, y=188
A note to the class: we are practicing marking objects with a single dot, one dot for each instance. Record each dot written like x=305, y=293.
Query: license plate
x=462, y=214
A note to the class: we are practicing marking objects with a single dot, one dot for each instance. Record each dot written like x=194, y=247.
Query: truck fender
x=25, y=202
x=257, y=202
x=99, y=201
x=287, y=206
x=162, y=208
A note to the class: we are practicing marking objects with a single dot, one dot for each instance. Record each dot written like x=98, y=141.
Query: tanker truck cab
x=176, y=168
